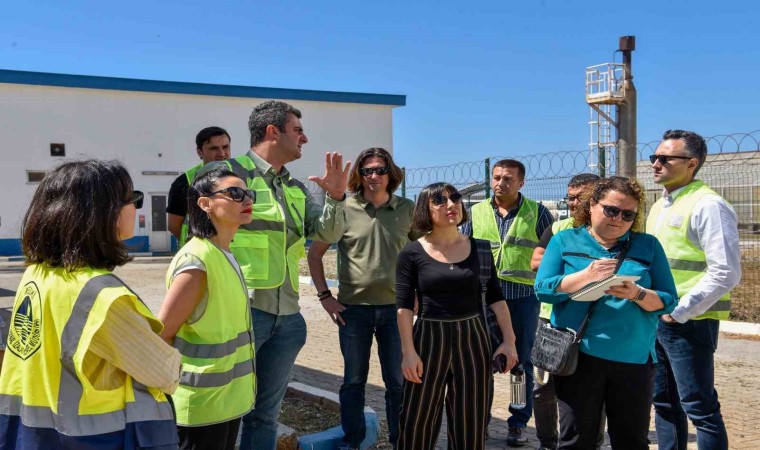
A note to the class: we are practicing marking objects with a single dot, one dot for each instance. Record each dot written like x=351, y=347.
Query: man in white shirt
x=699, y=231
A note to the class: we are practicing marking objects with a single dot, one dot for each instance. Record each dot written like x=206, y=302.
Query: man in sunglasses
x=268, y=249
x=378, y=226
x=544, y=397
x=699, y=231
x=513, y=224
x=211, y=144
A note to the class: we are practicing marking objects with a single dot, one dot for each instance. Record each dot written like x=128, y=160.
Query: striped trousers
x=456, y=368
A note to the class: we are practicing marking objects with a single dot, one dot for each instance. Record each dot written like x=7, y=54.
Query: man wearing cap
x=268, y=249
x=699, y=232
x=211, y=144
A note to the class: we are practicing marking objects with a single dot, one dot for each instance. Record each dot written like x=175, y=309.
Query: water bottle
x=517, y=387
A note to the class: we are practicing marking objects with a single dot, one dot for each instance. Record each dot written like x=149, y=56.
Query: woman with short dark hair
x=85, y=367
x=615, y=367
x=446, y=355
x=207, y=316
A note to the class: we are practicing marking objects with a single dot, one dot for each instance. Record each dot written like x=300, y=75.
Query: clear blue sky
x=481, y=78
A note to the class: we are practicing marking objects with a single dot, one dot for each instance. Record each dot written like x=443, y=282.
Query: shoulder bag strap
x=620, y=258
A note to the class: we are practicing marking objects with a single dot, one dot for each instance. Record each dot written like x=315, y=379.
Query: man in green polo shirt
x=378, y=226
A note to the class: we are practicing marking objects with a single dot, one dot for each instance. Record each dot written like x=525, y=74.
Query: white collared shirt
x=713, y=228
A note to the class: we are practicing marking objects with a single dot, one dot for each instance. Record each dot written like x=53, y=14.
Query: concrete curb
x=330, y=439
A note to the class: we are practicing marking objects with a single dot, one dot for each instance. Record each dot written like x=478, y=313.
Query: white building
x=150, y=126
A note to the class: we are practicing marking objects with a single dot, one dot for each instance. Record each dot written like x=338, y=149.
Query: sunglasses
x=613, y=211
x=236, y=194
x=664, y=159
x=367, y=171
x=136, y=198
x=572, y=198
x=440, y=199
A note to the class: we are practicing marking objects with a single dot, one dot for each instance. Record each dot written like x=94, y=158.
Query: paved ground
x=320, y=363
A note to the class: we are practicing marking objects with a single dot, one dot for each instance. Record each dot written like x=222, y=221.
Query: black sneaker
x=516, y=437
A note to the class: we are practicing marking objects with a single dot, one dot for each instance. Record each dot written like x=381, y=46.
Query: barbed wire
x=559, y=166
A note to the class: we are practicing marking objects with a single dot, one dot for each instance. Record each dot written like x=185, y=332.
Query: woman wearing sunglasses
x=207, y=317
x=615, y=367
x=85, y=367
x=446, y=356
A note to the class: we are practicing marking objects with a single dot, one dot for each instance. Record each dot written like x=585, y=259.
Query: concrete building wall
x=152, y=132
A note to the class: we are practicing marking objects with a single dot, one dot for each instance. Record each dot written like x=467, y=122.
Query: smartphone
x=499, y=363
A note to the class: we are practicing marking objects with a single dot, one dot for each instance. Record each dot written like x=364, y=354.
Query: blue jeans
x=362, y=322
x=524, y=312
x=278, y=341
x=684, y=385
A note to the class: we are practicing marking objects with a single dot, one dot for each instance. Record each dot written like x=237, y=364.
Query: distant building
x=150, y=126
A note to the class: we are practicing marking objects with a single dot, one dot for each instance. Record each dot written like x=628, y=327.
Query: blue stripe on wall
x=12, y=247
x=177, y=87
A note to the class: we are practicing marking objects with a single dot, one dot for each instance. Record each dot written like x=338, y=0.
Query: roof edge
x=181, y=87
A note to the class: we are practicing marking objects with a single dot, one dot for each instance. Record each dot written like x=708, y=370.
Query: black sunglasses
x=236, y=194
x=664, y=159
x=572, y=198
x=440, y=199
x=136, y=198
x=367, y=171
x=613, y=211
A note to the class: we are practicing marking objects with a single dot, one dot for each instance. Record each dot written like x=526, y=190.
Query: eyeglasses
x=367, y=171
x=136, y=198
x=440, y=199
x=572, y=198
x=664, y=159
x=236, y=194
x=613, y=211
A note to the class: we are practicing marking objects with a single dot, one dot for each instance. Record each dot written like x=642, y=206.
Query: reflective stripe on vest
x=514, y=252
x=687, y=261
x=71, y=416
x=261, y=246
x=190, y=175
x=546, y=308
x=218, y=381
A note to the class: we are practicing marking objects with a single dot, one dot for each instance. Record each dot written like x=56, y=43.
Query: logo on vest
x=24, y=331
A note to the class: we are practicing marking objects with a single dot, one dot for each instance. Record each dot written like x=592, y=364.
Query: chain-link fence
x=732, y=168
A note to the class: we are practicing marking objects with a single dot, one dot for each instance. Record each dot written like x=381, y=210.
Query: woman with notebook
x=615, y=367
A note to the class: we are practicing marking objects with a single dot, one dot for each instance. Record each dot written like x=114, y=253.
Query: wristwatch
x=642, y=293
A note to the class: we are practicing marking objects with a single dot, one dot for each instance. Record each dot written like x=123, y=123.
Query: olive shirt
x=321, y=223
x=369, y=248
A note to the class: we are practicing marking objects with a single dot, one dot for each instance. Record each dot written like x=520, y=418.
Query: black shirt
x=445, y=291
x=177, y=203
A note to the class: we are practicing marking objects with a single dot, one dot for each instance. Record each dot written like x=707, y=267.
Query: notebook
x=595, y=290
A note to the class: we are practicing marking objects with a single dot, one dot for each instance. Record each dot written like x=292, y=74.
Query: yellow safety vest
x=560, y=225
x=687, y=261
x=514, y=253
x=218, y=381
x=190, y=175
x=261, y=246
x=55, y=316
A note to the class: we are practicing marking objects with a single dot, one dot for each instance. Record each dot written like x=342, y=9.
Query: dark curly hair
x=623, y=185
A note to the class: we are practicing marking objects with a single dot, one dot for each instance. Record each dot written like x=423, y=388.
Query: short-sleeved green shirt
x=369, y=248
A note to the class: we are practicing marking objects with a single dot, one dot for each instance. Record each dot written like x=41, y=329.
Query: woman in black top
x=447, y=354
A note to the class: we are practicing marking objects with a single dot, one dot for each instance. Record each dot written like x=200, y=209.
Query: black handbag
x=495, y=338
x=556, y=349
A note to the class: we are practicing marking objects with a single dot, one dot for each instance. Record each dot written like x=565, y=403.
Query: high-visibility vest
x=190, y=175
x=45, y=398
x=560, y=225
x=218, y=381
x=261, y=246
x=513, y=254
x=687, y=261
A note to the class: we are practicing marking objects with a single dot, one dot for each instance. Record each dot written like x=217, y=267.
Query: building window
x=35, y=176
x=57, y=149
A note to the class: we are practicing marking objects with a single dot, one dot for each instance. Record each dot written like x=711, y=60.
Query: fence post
x=487, y=179
x=403, y=182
